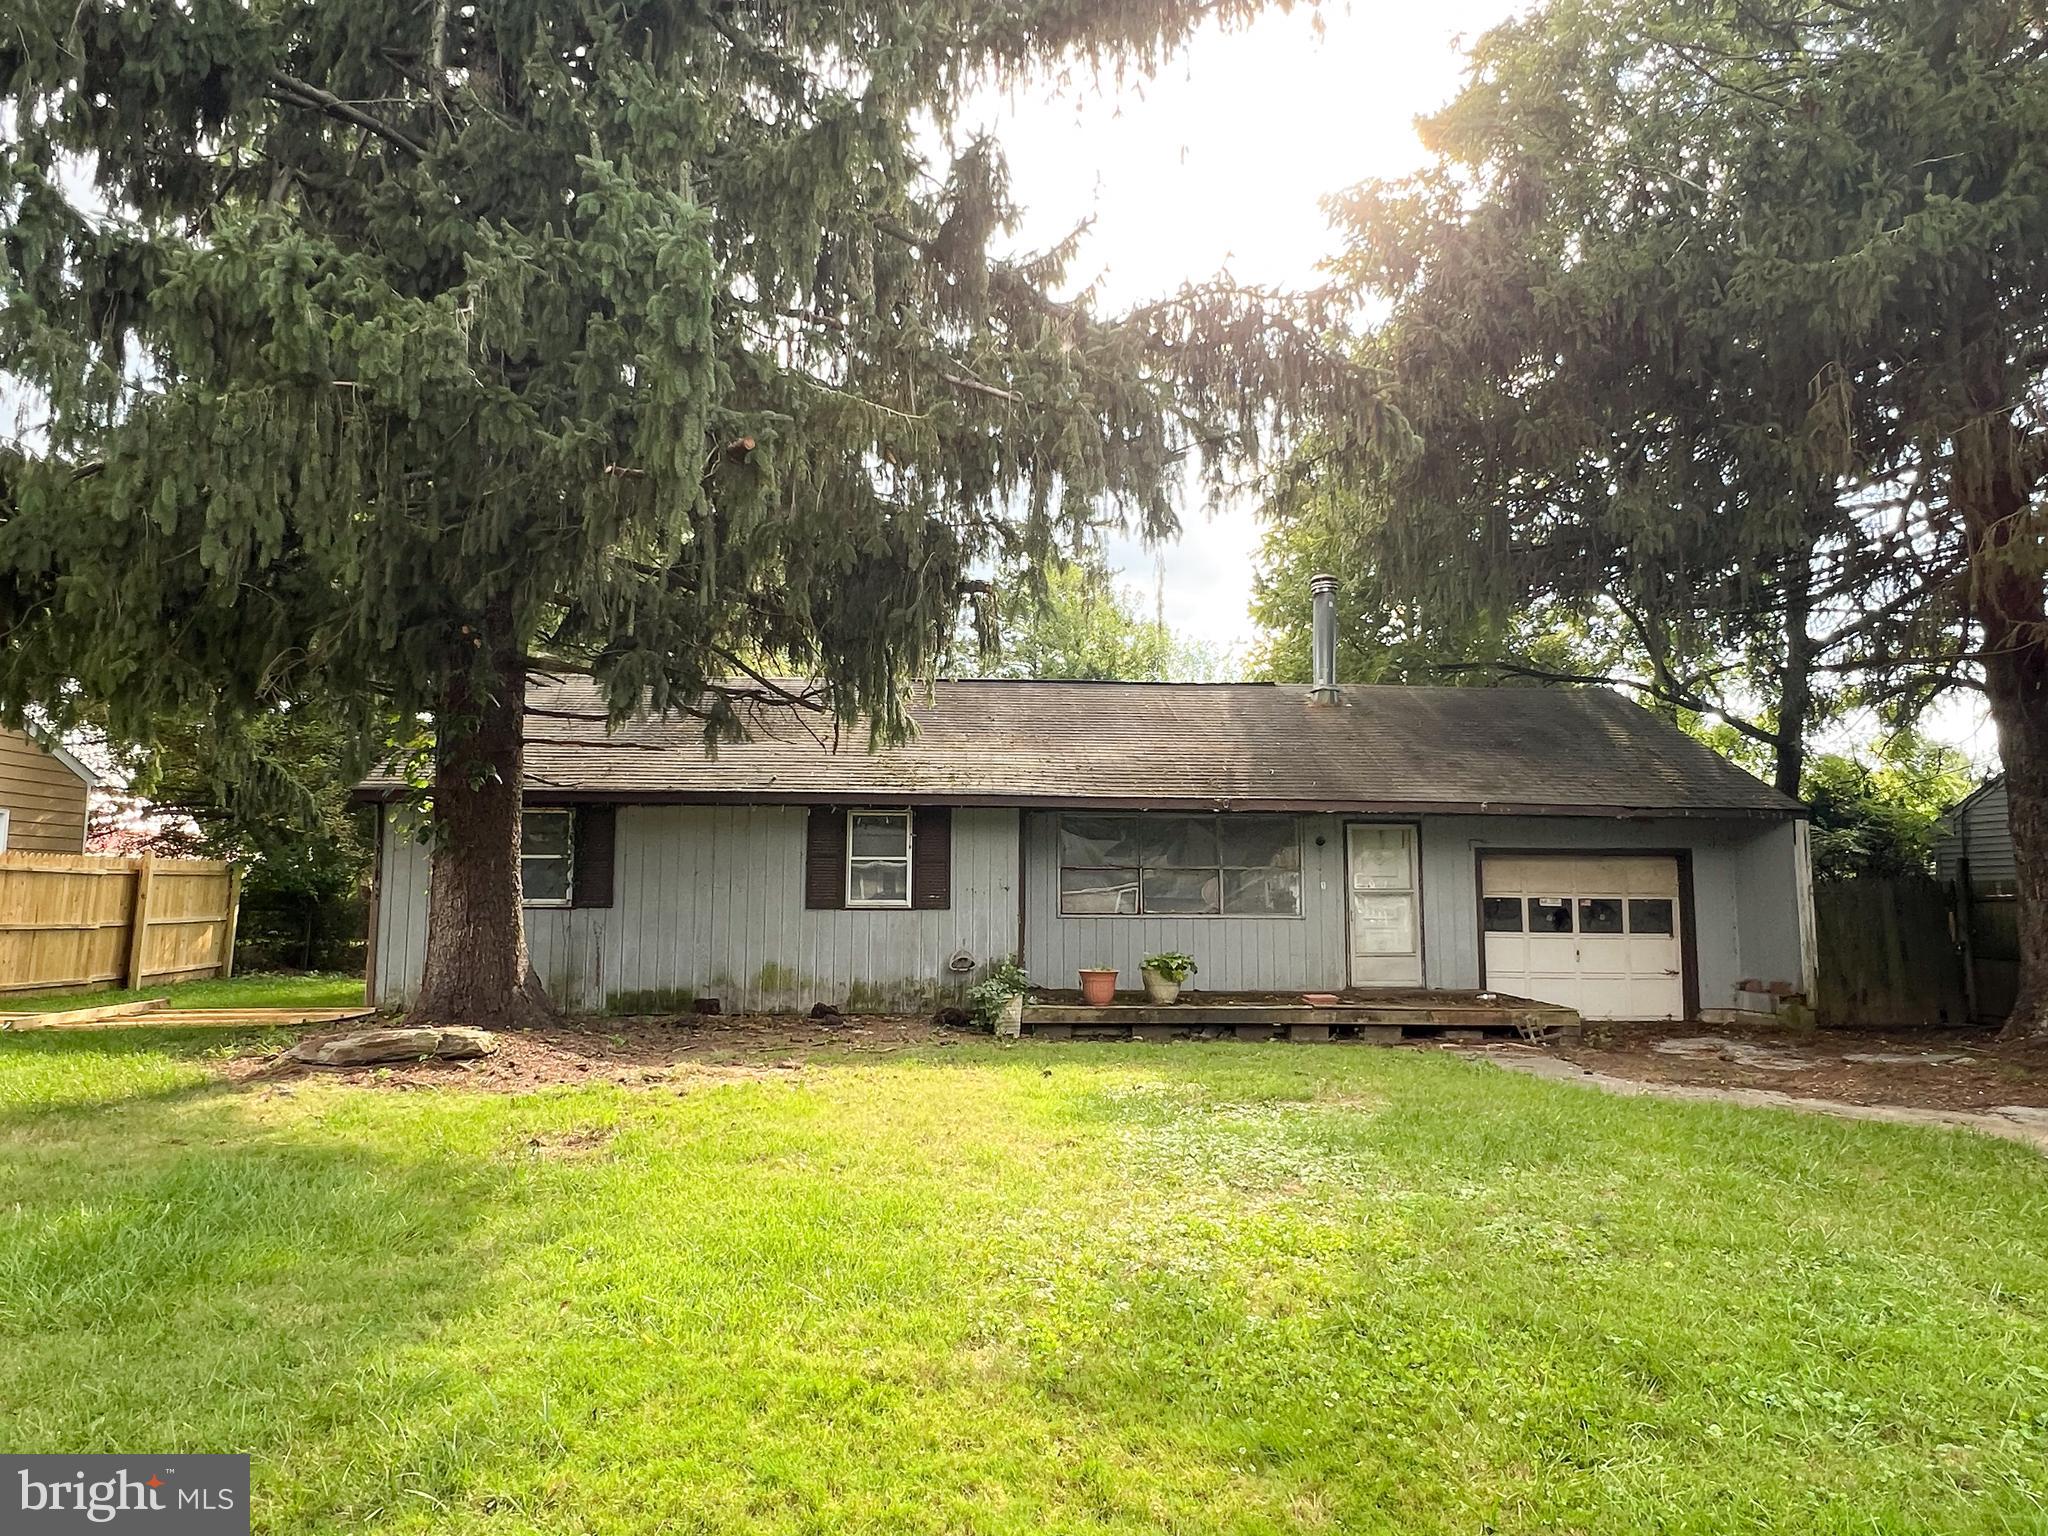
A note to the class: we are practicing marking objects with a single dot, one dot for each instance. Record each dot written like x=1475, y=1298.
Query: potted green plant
x=1098, y=986
x=1164, y=974
x=997, y=1000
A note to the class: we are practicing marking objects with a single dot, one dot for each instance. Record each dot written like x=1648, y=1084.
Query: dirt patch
x=678, y=1053
x=1954, y=1069
x=1962, y=1069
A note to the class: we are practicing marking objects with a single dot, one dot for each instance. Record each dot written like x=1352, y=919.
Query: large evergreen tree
x=392, y=351
x=1726, y=321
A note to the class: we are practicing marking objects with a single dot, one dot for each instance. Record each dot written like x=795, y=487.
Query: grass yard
x=1048, y=1288
x=296, y=990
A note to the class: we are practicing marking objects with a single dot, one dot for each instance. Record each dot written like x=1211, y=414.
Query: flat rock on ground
x=366, y=1046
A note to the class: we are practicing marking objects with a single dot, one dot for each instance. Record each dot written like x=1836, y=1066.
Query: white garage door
x=1596, y=934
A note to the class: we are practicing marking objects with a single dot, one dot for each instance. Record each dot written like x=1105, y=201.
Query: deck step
x=1383, y=1018
x=1333, y=1030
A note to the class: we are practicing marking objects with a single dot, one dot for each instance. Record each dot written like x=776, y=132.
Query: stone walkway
x=2012, y=1122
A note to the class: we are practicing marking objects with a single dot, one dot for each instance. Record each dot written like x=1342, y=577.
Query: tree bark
x=1795, y=683
x=2006, y=587
x=477, y=970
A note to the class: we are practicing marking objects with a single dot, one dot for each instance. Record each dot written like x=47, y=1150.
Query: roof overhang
x=557, y=795
x=57, y=749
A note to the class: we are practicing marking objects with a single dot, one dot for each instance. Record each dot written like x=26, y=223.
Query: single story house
x=1565, y=845
x=1974, y=842
x=1974, y=858
x=44, y=791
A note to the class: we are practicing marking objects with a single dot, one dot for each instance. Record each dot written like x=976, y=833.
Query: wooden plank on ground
x=62, y=1018
x=189, y=1018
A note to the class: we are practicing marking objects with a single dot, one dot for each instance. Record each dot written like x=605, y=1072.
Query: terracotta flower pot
x=1159, y=990
x=1098, y=988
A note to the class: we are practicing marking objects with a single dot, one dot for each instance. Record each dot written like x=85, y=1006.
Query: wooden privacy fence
x=1888, y=953
x=77, y=921
x=1989, y=927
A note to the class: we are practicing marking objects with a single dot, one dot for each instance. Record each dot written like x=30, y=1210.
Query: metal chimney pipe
x=1323, y=644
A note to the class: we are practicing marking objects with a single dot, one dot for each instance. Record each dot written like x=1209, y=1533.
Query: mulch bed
x=1810, y=1064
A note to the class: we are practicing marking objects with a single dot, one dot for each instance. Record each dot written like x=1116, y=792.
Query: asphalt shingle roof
x=1132, y=745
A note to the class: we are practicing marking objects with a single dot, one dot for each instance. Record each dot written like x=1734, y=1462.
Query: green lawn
x=1050, y=1288
x=307, y=990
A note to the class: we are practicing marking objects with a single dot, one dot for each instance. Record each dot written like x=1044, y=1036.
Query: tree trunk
x=2016, y=679
x=477, y=970
x=1795, y=683
x=2008, y=601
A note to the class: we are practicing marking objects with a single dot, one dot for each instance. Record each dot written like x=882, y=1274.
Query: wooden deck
x=1380, y=1016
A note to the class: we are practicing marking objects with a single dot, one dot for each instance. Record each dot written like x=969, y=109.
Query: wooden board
x=66, y=1017
x=183, y=1018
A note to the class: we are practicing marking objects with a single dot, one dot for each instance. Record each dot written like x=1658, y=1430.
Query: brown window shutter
x=593, y=850
x=931, y=858
x=825, y=859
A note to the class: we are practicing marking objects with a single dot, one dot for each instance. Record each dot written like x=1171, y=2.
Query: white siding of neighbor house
x=709, y=902
x=1236, y=954
x=1982, y=833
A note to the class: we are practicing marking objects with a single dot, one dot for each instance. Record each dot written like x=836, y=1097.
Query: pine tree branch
x=975, y=386
x=299, y=93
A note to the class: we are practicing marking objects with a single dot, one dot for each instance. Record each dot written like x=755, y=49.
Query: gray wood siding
x=44, y=799
x=1745, y=890
x=1235, y=953
x=1982, y=833
x=709, y=903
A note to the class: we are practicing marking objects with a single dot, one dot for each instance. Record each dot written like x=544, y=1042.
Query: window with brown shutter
x=825, y=859
x=596, y=844
x=931, y=858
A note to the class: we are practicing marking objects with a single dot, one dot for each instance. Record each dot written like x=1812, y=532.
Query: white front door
x=1596, y=934
x=1383, y=916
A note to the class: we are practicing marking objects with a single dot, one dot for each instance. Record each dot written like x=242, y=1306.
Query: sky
x=1220, y=163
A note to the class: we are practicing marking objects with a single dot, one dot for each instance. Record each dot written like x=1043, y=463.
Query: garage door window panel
x=1600, y=914
x=1502, y=914
x=1550, y=914
x=1651, y=915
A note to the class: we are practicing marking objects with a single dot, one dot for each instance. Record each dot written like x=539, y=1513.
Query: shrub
x=1172, y=966
x=1005, y=979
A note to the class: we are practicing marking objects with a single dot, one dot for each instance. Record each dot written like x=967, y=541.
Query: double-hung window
x=547, y=857
x=1180, y=866
x=878, y=858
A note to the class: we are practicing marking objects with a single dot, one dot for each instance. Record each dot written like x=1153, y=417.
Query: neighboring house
x=1975, y=838
x=1973, y=856
x=1562, y=845
x=43, y=795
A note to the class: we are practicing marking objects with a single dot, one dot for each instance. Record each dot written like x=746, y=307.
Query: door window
x=1379, y=859
x=1550, y=914
x=1382, y=925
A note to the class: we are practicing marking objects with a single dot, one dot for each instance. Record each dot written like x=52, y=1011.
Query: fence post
x=1965, y=940
x=138, y=931
x=227, y=952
